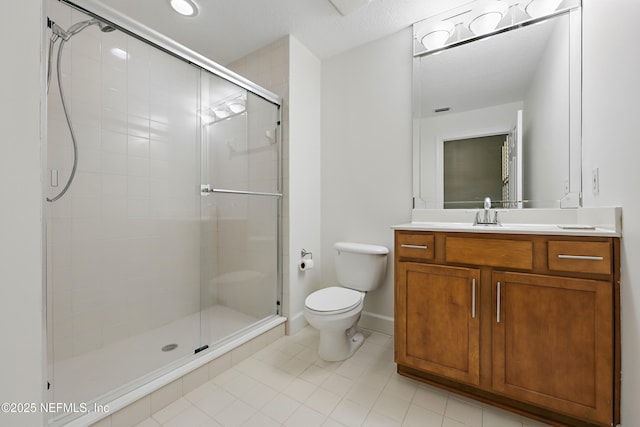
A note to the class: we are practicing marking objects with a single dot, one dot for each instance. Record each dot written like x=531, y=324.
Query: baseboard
x=376, y=322
x=368, y=320
x=296, y=323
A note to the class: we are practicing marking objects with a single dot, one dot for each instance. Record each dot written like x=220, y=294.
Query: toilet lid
x=333, y=299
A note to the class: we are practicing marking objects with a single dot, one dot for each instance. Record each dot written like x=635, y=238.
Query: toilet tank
x=360, y=266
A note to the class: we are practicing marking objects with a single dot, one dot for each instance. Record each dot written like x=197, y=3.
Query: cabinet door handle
x=414, y=246
x=583, y=257
x=498, y=302
x=473, y=298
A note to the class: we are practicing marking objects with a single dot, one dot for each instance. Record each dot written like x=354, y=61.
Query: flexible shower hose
x=66, y=115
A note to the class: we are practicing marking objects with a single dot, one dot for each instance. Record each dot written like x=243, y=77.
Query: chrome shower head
x=79, y=26
x=105, y=28
x=58, y=32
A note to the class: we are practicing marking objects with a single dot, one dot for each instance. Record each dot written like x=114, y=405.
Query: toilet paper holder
x=304, y=253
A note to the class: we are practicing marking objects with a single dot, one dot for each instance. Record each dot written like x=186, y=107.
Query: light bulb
x=539, y=8
x=487, y=17
x=185, y=7
x=436, y=36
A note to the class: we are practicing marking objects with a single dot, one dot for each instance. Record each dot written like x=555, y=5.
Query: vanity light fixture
x=236, y=106
x=460, y=32
x=481, y=19
x=515, y=15
x=224, y=109
x=487, y=16
x=221, y=112
x=538, y=8
x=436, y=36
x=185, y=7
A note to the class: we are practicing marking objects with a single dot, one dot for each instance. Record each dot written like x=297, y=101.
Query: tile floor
x=286, y=384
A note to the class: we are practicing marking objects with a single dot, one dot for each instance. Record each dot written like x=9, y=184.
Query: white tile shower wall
x=124, y=242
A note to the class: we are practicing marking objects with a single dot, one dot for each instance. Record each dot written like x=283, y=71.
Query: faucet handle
x=496, y=219
x=476, y=220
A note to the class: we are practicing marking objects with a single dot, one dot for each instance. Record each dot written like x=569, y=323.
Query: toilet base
x=339, y=345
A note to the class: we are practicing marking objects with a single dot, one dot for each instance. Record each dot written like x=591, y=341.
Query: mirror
x=520, y=85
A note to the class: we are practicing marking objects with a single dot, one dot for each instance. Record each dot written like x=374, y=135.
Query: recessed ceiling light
x=185, y=7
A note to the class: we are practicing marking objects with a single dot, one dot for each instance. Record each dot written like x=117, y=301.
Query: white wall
x=21, y=226
x=610, y=143
x=304, y=181
x=366, y=154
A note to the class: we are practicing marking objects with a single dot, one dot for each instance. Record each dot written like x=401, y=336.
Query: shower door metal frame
x=165, y=44
x=162, y=42
x=207, y=189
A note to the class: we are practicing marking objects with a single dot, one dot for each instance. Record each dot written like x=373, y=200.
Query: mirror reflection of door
x=475, y=168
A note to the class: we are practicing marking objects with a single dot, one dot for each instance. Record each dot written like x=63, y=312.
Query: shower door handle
x=205, y=190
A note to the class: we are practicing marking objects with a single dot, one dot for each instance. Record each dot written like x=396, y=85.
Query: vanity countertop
x=550, y=229
x=594, y=222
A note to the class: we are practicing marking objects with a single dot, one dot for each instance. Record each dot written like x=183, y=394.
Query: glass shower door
x=123, y=243
x=240, y=209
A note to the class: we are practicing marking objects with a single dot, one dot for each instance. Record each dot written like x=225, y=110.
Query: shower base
x=87, y=376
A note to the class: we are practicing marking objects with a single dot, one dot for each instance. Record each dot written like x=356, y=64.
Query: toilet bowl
x=335, y=310
x=335, y=313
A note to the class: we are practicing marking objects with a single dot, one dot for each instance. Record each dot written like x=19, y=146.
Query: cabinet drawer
x=490, y=252
x=415, y=245
x=582, y=257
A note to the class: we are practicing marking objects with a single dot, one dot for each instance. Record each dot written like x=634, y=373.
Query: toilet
x=335, y=310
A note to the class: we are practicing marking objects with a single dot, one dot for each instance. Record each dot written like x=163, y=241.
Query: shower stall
x=163, y=209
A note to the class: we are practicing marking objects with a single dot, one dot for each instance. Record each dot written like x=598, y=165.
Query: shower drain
x=169, y=347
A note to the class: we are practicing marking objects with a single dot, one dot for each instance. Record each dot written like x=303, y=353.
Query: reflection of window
x=505, y=173
x=473, y=170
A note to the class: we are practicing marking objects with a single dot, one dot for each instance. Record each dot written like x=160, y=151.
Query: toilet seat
x=333, y=300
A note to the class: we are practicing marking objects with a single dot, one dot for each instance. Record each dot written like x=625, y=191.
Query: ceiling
x=226, y=30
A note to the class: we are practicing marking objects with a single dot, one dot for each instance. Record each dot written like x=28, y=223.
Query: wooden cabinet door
x=553, y=343
x=437, y=320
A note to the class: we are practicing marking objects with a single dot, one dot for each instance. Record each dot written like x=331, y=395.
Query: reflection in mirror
x=476, y=168
x=522, y=85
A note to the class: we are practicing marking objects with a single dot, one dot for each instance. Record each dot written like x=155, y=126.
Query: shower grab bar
x=206, y=190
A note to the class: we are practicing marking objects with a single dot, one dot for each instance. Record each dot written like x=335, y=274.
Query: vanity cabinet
x=525, y=322
x=445, y=339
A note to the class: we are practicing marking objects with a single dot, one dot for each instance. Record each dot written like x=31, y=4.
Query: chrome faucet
x=486, y=217
x=487, y=203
